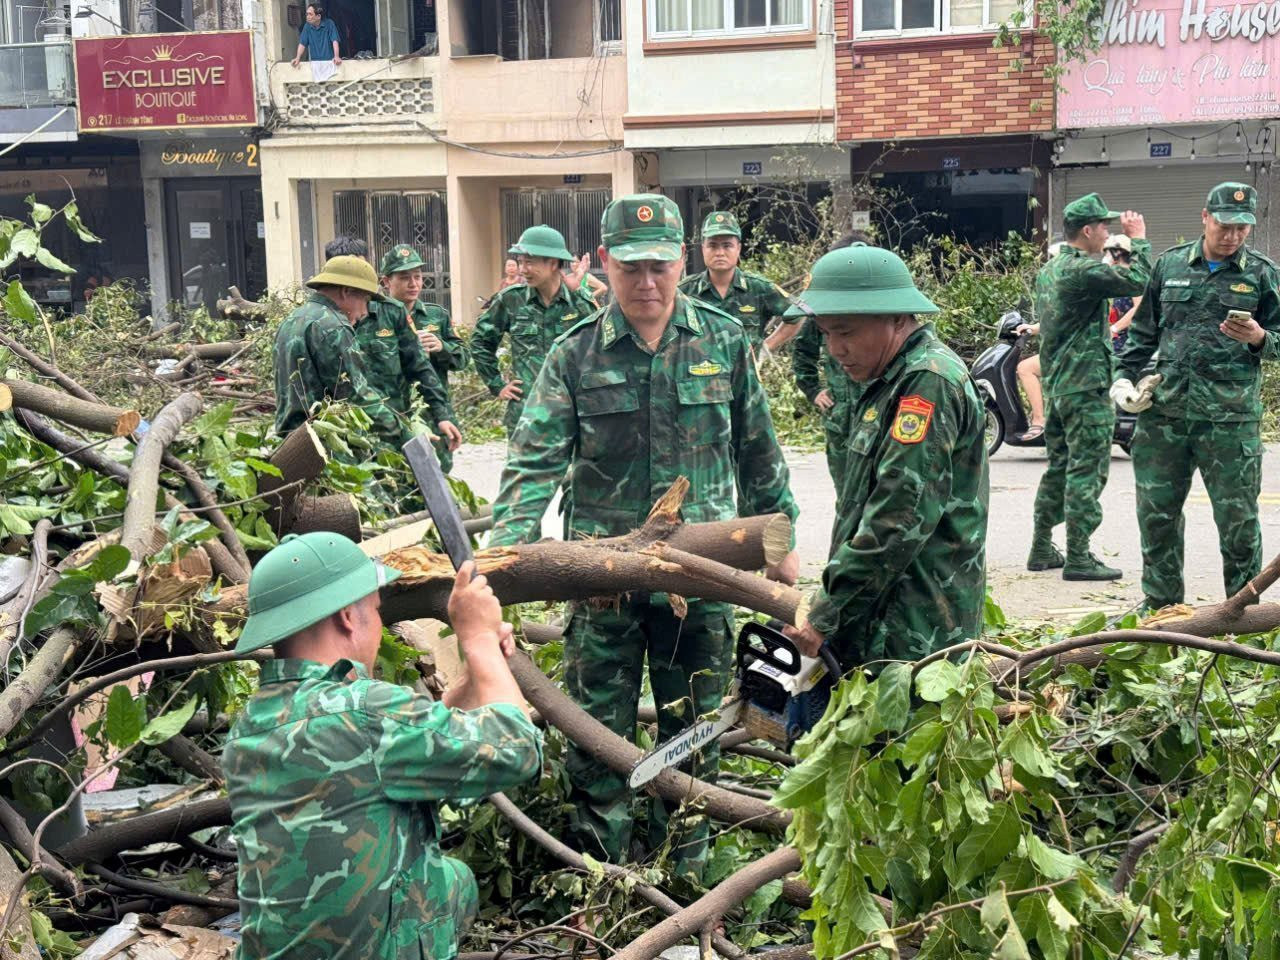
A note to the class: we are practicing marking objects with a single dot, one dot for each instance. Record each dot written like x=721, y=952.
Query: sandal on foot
x=1034, y=432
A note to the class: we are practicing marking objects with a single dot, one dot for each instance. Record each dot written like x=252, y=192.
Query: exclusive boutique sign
x=165, y=81
x=1176, y=61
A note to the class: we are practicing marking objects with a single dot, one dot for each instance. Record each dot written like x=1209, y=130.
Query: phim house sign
x=1176, y=61
x=165, y=81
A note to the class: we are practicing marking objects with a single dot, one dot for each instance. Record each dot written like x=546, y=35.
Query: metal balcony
x=36, y=74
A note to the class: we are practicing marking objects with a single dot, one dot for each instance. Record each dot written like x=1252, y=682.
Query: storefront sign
x=752, y=168
x=1176, y=61
x=195, y=158
x=1160, y=150
x=165, y=81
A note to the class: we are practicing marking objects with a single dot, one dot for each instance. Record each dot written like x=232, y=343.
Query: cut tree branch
x=209, y=505
x=148, y=828
x=47, y=369
x=78, y=412
x=20, y=836
x=300, y=458
x=193, y=759
x=144, y=475
x=43, y=669
x=1128, y=864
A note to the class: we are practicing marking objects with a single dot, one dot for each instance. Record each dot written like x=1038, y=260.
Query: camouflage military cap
x=721, y=224
x=346, y=271
x=860, y=280
x=1088, y=209
x=303, y=580
x=643, y=226
x=398, y=258
x=541, y=240
x=1233, y=203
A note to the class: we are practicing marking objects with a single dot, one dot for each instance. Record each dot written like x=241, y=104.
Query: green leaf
x=1020, y=745
x=807, y=781
x=938, y=681
x=1060, y=915
x=18, y=304
x=923, y=741
x=995, y=911
x=126, y=717
x=758, y=904
x=46, y=259
x=40, y=212
x=893, y=703
x=262, y=466
x=1053, y=864
x=215, y=420
x=107, y=564
x=1090, y=623
x=71, y=213
x=986, y=844
x=169, y=724
x=24, y=243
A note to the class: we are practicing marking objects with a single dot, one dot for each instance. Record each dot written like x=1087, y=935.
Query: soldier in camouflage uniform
x=832, y=392
x=335, y=779
x=907, y=575
x=1071, y=302
x=315, y=356
x=439, y=349
x=654, y=387
x=1202, y=408
x=749, y=297
x=531, y=314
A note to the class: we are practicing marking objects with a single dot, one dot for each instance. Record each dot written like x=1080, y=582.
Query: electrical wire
x=519, y=155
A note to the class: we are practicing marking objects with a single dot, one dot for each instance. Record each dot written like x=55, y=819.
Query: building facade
x=948, y=133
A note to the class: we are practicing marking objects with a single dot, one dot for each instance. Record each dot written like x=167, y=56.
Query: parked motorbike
x=996, y=374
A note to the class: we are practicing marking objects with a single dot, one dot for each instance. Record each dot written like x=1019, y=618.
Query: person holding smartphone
x=1212, y=312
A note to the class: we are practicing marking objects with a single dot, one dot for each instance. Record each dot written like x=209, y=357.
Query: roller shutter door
x=1170, y=197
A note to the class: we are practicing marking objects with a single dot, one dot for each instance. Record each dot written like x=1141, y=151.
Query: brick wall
x=938, y=86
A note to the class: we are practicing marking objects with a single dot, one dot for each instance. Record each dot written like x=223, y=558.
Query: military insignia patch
x=568, y=316
x=746, y=308
x=404, y=252
x=719, y=218
x=870, y=416
x=384, y=332
x=912, y=422
x=644, y=214
x=705, y=369
x=1241, y=288
x=1239, y=195
x=433, y=328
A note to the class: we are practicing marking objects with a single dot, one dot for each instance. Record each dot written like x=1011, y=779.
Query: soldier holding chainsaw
x=907, y=575
x=653, y=387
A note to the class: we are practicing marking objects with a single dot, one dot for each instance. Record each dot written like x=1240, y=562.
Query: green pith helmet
x=1088, y=209
x=543, y=241
x=403, y=257
x=860, y=279
x=643, y=226
x=303, y=580
x=1233, y=203
x=721, y=224
x=354, y=272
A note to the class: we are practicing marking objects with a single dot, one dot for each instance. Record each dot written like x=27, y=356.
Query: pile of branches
x=938, y=807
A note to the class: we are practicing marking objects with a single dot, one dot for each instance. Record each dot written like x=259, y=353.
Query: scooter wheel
x=994, y=430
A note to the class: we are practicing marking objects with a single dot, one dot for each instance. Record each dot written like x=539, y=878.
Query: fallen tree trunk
x=43, y=669
x=647, y=892
x=13, y=613
x=163, y=825
x=17, y=940
x=64, y=408
x=209, y=505
x=47, y=369
x=20, y=836
x=236, y=306
x=144, y=475
x=300, y=459
x=335, y=512
x=711, y=905
x=6, y=398
x=223, y=562
x=191, y=758
x=224, y=350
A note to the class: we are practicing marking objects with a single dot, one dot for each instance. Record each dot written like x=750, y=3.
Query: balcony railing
x=36, y=74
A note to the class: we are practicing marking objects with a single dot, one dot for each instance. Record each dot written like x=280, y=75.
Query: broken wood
x=13, y=613
x=64, y=408
x=335, y=512
x=236, y=306
x=193, y=759
x=204, y=351
x=144, y=474
x=12, y=823
x=43, y=669
x=17, y=940
x=213, y=513
x=148, y=828
x=6, y=397
x=714, y=903
x=47, y=369
x=300, y=458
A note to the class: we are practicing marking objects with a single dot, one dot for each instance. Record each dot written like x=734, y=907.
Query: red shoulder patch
x=911, y=425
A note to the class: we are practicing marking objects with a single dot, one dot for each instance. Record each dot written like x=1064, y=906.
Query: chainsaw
x=778, y=694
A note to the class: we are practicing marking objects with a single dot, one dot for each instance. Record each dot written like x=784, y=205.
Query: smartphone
x=1239, y=316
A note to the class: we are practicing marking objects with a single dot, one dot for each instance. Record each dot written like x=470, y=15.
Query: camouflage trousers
x=463, y=905
x=1077, y=437
x=689, y=666
x=1166, y=452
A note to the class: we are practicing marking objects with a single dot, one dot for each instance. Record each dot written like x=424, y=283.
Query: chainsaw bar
x=683, y=745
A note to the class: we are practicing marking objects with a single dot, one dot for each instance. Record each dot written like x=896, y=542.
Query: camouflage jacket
x=751, y=299
x=396, y=361
x=1207, y=375
x=625, y=423
x=433, y=318
x=315, y=358
x=809, y=356
x=334, y=784
x=908, y=576
x=517, y=311
x=1071, y=295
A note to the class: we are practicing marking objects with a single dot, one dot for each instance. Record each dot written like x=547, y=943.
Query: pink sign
x=1176, y=61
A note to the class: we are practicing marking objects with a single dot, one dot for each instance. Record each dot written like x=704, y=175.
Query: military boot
x=1083, y=565
x=1044, y=555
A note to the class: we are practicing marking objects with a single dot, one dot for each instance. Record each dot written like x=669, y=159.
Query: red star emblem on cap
x=1239, y=195
x=644, y=214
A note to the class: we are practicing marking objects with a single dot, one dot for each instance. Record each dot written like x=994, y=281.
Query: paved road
x=1014, y=475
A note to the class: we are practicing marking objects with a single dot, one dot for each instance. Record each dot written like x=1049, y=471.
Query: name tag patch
x=705, y=369
x=911, y=425
x=1177, y=283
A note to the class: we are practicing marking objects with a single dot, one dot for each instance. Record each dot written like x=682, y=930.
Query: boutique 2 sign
x=1176, y=61
x=165, y=81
